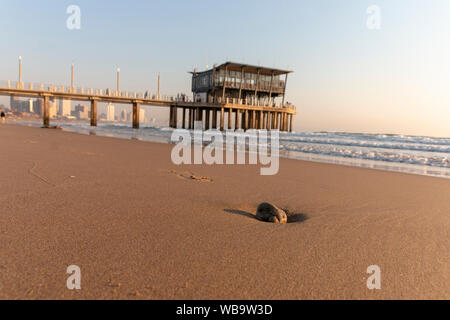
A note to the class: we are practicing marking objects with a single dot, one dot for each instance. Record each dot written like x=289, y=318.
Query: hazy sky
x=347, y=77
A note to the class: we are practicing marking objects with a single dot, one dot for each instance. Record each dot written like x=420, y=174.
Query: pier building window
x=221, y=76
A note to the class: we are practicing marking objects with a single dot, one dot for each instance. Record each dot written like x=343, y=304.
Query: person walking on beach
x=3, y=116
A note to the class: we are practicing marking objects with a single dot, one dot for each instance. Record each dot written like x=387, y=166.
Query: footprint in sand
x=30, y=141
x=189, y=176
x=86, y=153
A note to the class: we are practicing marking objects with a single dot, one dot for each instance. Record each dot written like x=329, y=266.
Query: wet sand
x=140, y=227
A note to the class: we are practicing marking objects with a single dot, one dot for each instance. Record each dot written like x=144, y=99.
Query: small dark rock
x=270, y=213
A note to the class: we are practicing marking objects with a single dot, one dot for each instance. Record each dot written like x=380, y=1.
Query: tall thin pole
x=224, y=84
x=20, y=69
x=118, y=79
x=284, y=90
x=72, y=81
x=159, y=85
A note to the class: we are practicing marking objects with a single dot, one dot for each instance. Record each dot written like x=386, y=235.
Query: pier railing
x=51, y=88
x=251, y=102
x=147, y=95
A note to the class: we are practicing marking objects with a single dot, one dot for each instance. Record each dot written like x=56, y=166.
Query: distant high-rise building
x=142, y=116
x=37, y=107
x=53, y=105
x=17, y=105
x=110, y=112
x=64, y=108
x=123, y=116
x=81, y=112
x=53, y=109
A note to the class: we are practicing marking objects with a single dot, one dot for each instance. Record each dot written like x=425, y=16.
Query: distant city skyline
x=346, y=76
x=72, y=109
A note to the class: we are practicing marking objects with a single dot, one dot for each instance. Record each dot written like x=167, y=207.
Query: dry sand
x=140, y=228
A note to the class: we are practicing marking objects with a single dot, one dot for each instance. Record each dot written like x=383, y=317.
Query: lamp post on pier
x=20, y=71
x=118, y=79
x=72, y=77
x=159, y=86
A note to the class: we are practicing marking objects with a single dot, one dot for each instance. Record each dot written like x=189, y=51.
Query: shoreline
x=414, y=169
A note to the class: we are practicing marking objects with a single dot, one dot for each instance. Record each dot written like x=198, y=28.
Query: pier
x=226, y=100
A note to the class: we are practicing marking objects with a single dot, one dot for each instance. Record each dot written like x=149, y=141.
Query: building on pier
x=237, y=96
x=240, y=84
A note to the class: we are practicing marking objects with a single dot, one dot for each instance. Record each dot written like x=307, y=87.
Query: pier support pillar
x=184, y=118
x=170, y=117
x=136, y=112
x=198, y=116
x=46, y=111
x=254, y=119
x=248, y=118
x=230, y=112
x=258, y=119
x=277, y=116
x=286, y=126
x=207, y=115
x=261, y=124
x=222, y=115
x=175, y=117
x=94, y=111
x=214, y=118
x=190, y=119
x=290, y=122
x=236, y=120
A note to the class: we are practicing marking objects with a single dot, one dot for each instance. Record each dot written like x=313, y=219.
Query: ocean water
x=410, y=154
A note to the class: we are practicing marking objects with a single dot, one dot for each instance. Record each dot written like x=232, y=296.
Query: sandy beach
x=140, y=227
